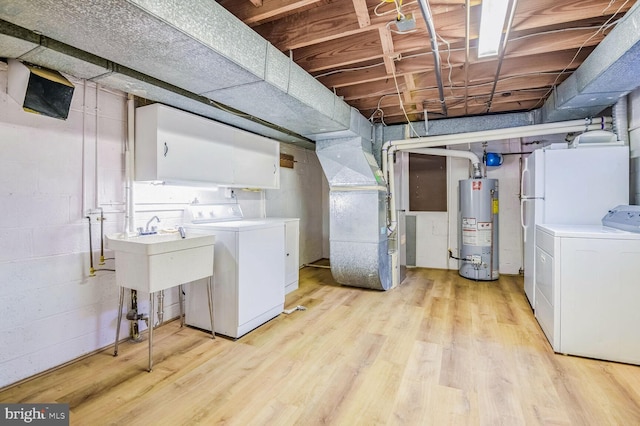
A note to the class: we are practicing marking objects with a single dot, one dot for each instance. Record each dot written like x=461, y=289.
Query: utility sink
x=151, y=263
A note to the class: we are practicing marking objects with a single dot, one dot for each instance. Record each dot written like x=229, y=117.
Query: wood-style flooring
x=437, y=350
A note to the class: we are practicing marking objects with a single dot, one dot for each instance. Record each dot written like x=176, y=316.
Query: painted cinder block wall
x=51, y=311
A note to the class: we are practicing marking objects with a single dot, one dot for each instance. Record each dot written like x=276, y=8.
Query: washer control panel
x=626, y=218
x=204, y=213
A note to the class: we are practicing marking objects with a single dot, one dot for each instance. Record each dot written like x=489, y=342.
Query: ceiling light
x=492, y=20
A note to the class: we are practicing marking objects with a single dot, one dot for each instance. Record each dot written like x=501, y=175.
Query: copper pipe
x=92, y=271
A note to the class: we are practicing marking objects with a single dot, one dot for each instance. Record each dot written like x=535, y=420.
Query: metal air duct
x=194, y=46
x=359, y=246
x=609, y=72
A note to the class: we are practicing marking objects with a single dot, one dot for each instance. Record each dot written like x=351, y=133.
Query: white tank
x=478, y=229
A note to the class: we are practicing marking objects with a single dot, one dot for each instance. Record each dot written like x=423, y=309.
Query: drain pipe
x=129, y=224
x=428, y=18
x=129, y=161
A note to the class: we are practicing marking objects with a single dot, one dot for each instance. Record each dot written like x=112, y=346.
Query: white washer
x=588, y=290
x=248, y=273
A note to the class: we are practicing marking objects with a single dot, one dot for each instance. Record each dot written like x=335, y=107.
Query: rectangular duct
x=26, y=45
x=608, y=73
x=349, y=162
x=196, y=46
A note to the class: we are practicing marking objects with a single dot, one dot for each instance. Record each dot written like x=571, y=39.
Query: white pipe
x=129, y=158
x=445, y=153
x=506, y=133
x=473, y=158
x=390, y=147
x=482, y=136
x=96, y=163
x=84, y=149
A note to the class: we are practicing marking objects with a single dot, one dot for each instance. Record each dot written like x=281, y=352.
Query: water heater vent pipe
x=473, y=158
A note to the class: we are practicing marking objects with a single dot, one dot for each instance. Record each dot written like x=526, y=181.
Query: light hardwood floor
x=437, y=350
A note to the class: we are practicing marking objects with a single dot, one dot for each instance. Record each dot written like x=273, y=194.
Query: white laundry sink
x=157, y=243
x=151, y=263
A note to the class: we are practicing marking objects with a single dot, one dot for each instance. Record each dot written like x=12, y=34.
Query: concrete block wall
x=52, y=311
x=52, y=173
x=300, y=195
x=510, y=231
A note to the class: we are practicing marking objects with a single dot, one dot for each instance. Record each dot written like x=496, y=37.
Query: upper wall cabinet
x=178, y=147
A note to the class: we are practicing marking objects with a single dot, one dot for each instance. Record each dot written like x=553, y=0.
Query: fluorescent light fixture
x=492, y=20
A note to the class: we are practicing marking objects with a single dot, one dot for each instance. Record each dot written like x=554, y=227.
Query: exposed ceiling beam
x=269, y=10
x=478, y=72
x=365, y=47
x=424, y=63
x=410, y=85
x=335, y=40
x=322, y=24
x=388, y=55
x=362, y=13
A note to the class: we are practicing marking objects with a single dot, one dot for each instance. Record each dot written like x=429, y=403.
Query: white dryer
x=249, y=270
x=588, y=290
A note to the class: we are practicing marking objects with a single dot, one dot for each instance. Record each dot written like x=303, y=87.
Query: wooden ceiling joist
x=362, y=13
x=353, y=47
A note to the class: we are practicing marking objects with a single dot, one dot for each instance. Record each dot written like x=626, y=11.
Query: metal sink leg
x=152, y=309
x=181, y=303
x=210, y=299
x=115, y=349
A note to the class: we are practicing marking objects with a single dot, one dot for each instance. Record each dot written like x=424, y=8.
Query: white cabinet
x=256, y=162
x=292, y=254
x=178, y=147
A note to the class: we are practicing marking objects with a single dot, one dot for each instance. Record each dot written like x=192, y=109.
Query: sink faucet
x=146, y=231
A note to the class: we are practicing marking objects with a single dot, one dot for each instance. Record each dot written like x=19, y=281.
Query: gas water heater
x=478, y=229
